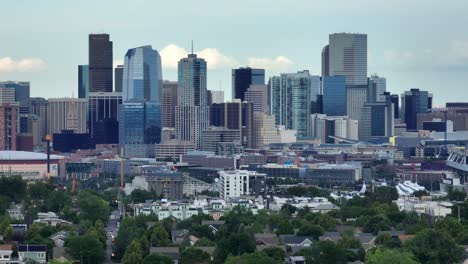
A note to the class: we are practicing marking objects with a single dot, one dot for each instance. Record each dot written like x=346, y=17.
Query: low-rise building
x=30, y=253
x=431, y=208
x=50, y=219
x=238, y=183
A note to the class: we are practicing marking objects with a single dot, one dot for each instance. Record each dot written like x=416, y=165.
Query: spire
x=192, y=46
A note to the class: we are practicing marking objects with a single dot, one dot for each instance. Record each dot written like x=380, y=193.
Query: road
x=112, y=228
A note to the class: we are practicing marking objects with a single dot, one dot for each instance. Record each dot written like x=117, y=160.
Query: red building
x=8, y=126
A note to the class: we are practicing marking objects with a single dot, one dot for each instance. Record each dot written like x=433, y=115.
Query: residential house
x=5, y=253
x=178, y=236
x=367, y=240
x=32, y=252
x=50, y=219
x=295, y=260
x=172, y=252
x=15, y=212
x=59, y=238
x=296, y=241
x=214, y=225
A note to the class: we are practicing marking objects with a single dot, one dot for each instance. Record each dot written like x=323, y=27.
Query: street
x=112, y=229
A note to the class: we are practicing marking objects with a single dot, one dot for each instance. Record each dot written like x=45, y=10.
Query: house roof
x=209, y=250
x=293, y=239
x=6, y=247
x=365, y=238
x=172, y=252
x=32, y=247
x=331, y=236
x=267, y=239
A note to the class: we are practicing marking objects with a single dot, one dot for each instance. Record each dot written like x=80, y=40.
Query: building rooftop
x=25, y=155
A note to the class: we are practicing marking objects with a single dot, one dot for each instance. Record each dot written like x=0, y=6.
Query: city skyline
x=413, y=57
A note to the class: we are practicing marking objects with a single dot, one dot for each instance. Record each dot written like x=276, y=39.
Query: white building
x=238, y=183
x=341, y=127
x=165, y=209
x=432, y=208
x=380, y=87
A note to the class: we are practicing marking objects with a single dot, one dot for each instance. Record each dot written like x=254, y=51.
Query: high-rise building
x=334, y=95
x=211, y=136
x=100, y=63
x=142, y=75
x=169, y=102
x=356, y=97
x=264, y=132
x=290, y=101
x=8, y=126
x=140, y=120
x=326, y=61
x=215, y=97
x=22, y=91
x=396, y=105
x=7, y=95
x=38, y=107
x=348, y=57
x=331, y=129
x=118, y=78
x=192, y=109
x=242, y=78
x=83, y=81
x=258, y=96
x=378, y=89
x=377, y=119
x=104, y=117
x=412, y=103
x=66, y=114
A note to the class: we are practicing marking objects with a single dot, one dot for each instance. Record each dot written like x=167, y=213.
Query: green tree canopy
x=390, y=256
x=133, y=253
x=93, y=207
x=252, y=258
x=157, y=259
x=86, y=248
x=193, y=255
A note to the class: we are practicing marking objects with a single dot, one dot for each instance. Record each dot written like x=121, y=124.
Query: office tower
x=348, y=57
x=334, y=95
x=356, y=97
x=332, y=129
x=7, y=95
x=326, y=61
x=8, y=126
x=291, y=102
x=378, y=89
x=38, y=107
x=118, y=78
x=258, y=96
x=22, y=91
x=412, y=103
x=100, y=63
x=104, y=117
x=211, y=136
x=142, y=75
x=83, y=81
x=242, y=78
x=66, y=114
x=315, y=89
x=396, y=105
x=139, y=128
x=192, y=110
x=215, y=97
x=140, y=120
x=377, y=119
x=264, y=132
x=169, y=102
x=235, y=115
x=238, y=183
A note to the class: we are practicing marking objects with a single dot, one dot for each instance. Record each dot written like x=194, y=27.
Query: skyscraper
x=192, y=109
x=83, y=81
x=215, y=97
x=326, y=61
x=378, y=89
x=334, y=95
x=396, y=105
x=22, y=92
x=258, y=96
x=104, y=117
x=118, y=78
x=242, y=78
x=8, y=126
x=38, y=107
x=291, y=101
x=412, y=103
x=348, y=57
x=142, y=75
x=100, y=63
x=140, y=120
x=66, y=114
x=169, y=102
x=377, y=119
x=356, y=97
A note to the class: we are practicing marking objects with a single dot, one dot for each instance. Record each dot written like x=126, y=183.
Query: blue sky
x=413, y=43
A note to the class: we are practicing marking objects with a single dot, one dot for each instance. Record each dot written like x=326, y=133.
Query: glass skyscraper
x=334, y=95
x=242, y=78
x=83, y=81
x=22, y=94
x=412, y=103
x=140, y=114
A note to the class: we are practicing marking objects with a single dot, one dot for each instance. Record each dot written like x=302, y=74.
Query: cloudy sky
x=413, y=43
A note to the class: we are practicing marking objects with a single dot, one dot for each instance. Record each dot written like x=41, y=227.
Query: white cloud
x=171, y=54
x=394, y=56
x=8, y=64
x=280, y=63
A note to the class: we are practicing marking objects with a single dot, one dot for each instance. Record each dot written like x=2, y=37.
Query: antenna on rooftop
x=192, y=46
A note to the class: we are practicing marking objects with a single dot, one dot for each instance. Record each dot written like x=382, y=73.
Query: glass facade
x=140, y=123
x=100, y=63
x=22, y=94
x=334, y=95
x=142, y=74
x=83, y=81
x=242, y=78
x=414, y=102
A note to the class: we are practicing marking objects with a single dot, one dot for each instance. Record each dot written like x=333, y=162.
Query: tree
x=385, y=194
x=193, y=255
x=288, y=209
x=128, y=231
x=13, y=188
x=57, y=200
x=92, y=207
x=252, y=258
x=434, y=246
x=157, y=259
x=390, y=256
x=86, y=248
x=133, y=253
x=159, y=236
x=324, y=252
x=140, y=196
x=236, y=244
x=450, y=225
x=387, y=241
x=311, y=230
x=274, y=253
x=421, y=193
x=284, y=227
x=456, y=195
x=376, y=223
